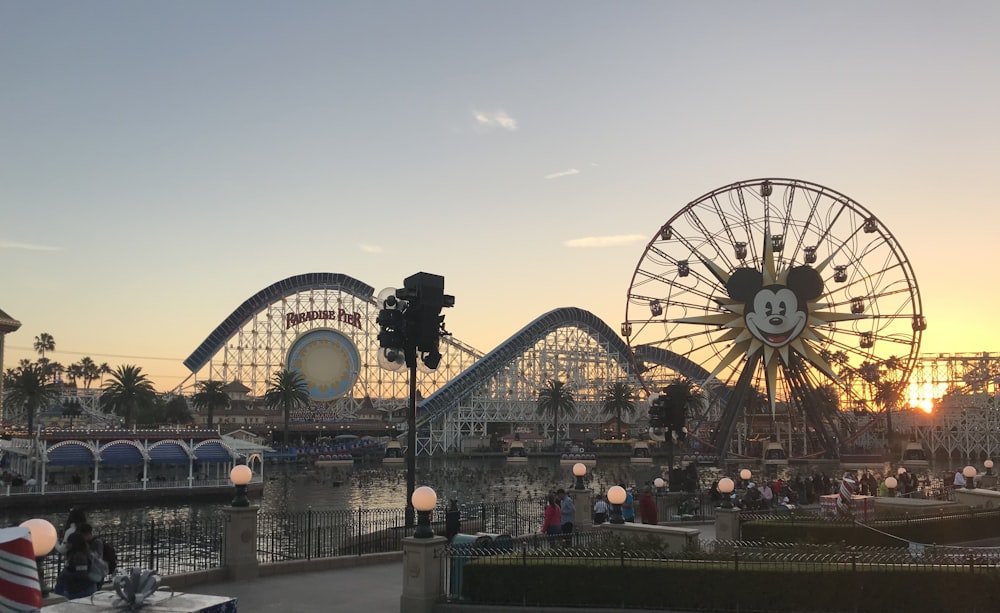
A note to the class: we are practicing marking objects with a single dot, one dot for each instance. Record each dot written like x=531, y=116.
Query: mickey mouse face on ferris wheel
x=775, y=314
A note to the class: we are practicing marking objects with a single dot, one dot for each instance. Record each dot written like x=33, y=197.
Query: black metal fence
x=169, y=547
x=602, y=549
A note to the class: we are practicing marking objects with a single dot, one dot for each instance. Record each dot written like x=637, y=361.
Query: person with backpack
x=77, y=577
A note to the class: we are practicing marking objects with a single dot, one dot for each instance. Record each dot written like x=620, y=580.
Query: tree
x=44, y=342
x=176, y=411
x=287, y=391
x=128, y=390
x=681, y=397
x=555, y=398
x=211, y=397
x=88, y=370
x=26, y=387
x=619, y=400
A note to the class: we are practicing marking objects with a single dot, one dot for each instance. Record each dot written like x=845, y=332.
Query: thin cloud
x=370, y=248
x=496, y=119
x=27, y=246
x=605, y=241
x=569, y=172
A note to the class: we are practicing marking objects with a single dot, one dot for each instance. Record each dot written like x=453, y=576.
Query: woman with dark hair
x=76, y=518
x=75, y=580
x=552, y=524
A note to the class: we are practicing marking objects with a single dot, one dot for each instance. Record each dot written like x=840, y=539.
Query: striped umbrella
x=19, y=589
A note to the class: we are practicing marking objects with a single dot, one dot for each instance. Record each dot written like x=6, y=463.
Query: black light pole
x=411, y=435
x=410, y=322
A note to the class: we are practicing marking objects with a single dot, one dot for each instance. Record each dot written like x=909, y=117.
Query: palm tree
x=682, y=397
x=555, y=398
x=128, y=390
x=288, y=390
x=619, y=400
x=44, y=342
x=212, y=397
x=88, y=370
x=26, y=387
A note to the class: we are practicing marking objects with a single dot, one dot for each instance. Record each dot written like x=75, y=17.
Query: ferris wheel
x=779, y=297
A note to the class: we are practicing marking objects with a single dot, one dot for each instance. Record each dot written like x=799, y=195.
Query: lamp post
x=989, y=466
x=240, y=475
x=659, y=483
x=616, y=496
x=726, y=487
x=745, y=474
x=43, y=540
x=891, y=483
x=579, y=470
x=969, y=472
x=423, y=500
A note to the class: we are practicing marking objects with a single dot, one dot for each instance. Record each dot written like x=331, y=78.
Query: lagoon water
x=294, y=488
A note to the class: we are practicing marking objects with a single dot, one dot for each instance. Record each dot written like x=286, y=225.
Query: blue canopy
x=72, y=453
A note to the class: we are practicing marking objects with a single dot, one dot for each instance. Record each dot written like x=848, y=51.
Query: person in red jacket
x=647, y=507
x=552, y=524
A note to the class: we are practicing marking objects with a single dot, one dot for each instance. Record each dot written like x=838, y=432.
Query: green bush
x=693, y=586
x=805, y=529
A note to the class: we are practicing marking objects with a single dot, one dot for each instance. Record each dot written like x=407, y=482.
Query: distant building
x=7, y=324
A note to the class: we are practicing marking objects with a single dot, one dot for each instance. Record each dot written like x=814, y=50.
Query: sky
x=160, y=162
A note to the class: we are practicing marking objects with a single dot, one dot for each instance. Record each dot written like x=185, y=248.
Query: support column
x=422, y=574
x=583, y=501
x=240, y=546
x=727, y=524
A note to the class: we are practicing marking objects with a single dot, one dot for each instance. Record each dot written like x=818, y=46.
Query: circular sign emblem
x=327, y=360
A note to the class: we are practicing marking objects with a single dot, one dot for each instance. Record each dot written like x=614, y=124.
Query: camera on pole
x=424, y=293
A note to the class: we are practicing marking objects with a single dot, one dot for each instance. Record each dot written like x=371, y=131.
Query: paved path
x=371, y=588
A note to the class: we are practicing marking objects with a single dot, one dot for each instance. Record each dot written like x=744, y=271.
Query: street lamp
x=43, y=540
x=579, y=470
x=240, y=475
x=726, y=487
x=969, y=472
x=891, y=483
x=901, y=470
x=424, y=499
x=616, y=496
x=659, y=483
x=745, y=474
x=989, y=466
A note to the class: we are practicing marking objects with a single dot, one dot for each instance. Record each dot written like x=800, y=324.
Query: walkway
x=372, y=588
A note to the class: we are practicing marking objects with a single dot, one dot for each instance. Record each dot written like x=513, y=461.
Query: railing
x=602, y=550
x=119, y=486
x=168, y=547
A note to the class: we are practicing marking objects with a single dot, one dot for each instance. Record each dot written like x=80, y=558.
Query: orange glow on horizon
x=925, y=395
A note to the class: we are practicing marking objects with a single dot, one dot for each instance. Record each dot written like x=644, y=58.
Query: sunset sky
x=160, y=162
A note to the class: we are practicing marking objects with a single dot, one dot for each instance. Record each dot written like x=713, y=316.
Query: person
x=452, y=520
x=99, y=565
x=552, y=522
x=567, y=515
x=74, y=520
x=647, y=507
x=74, y=580
x=959, y=479
x=766, y=495
x=628, y=507
x=600, y=511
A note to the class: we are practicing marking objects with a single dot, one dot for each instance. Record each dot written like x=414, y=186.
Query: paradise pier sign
x=341, y=315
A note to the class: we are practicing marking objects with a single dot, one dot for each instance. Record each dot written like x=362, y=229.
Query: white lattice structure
x=465, y=393
x=965, y=420
x=253, y=342
x=567, y=345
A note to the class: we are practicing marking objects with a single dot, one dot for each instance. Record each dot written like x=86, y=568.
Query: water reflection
x=295, y=488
